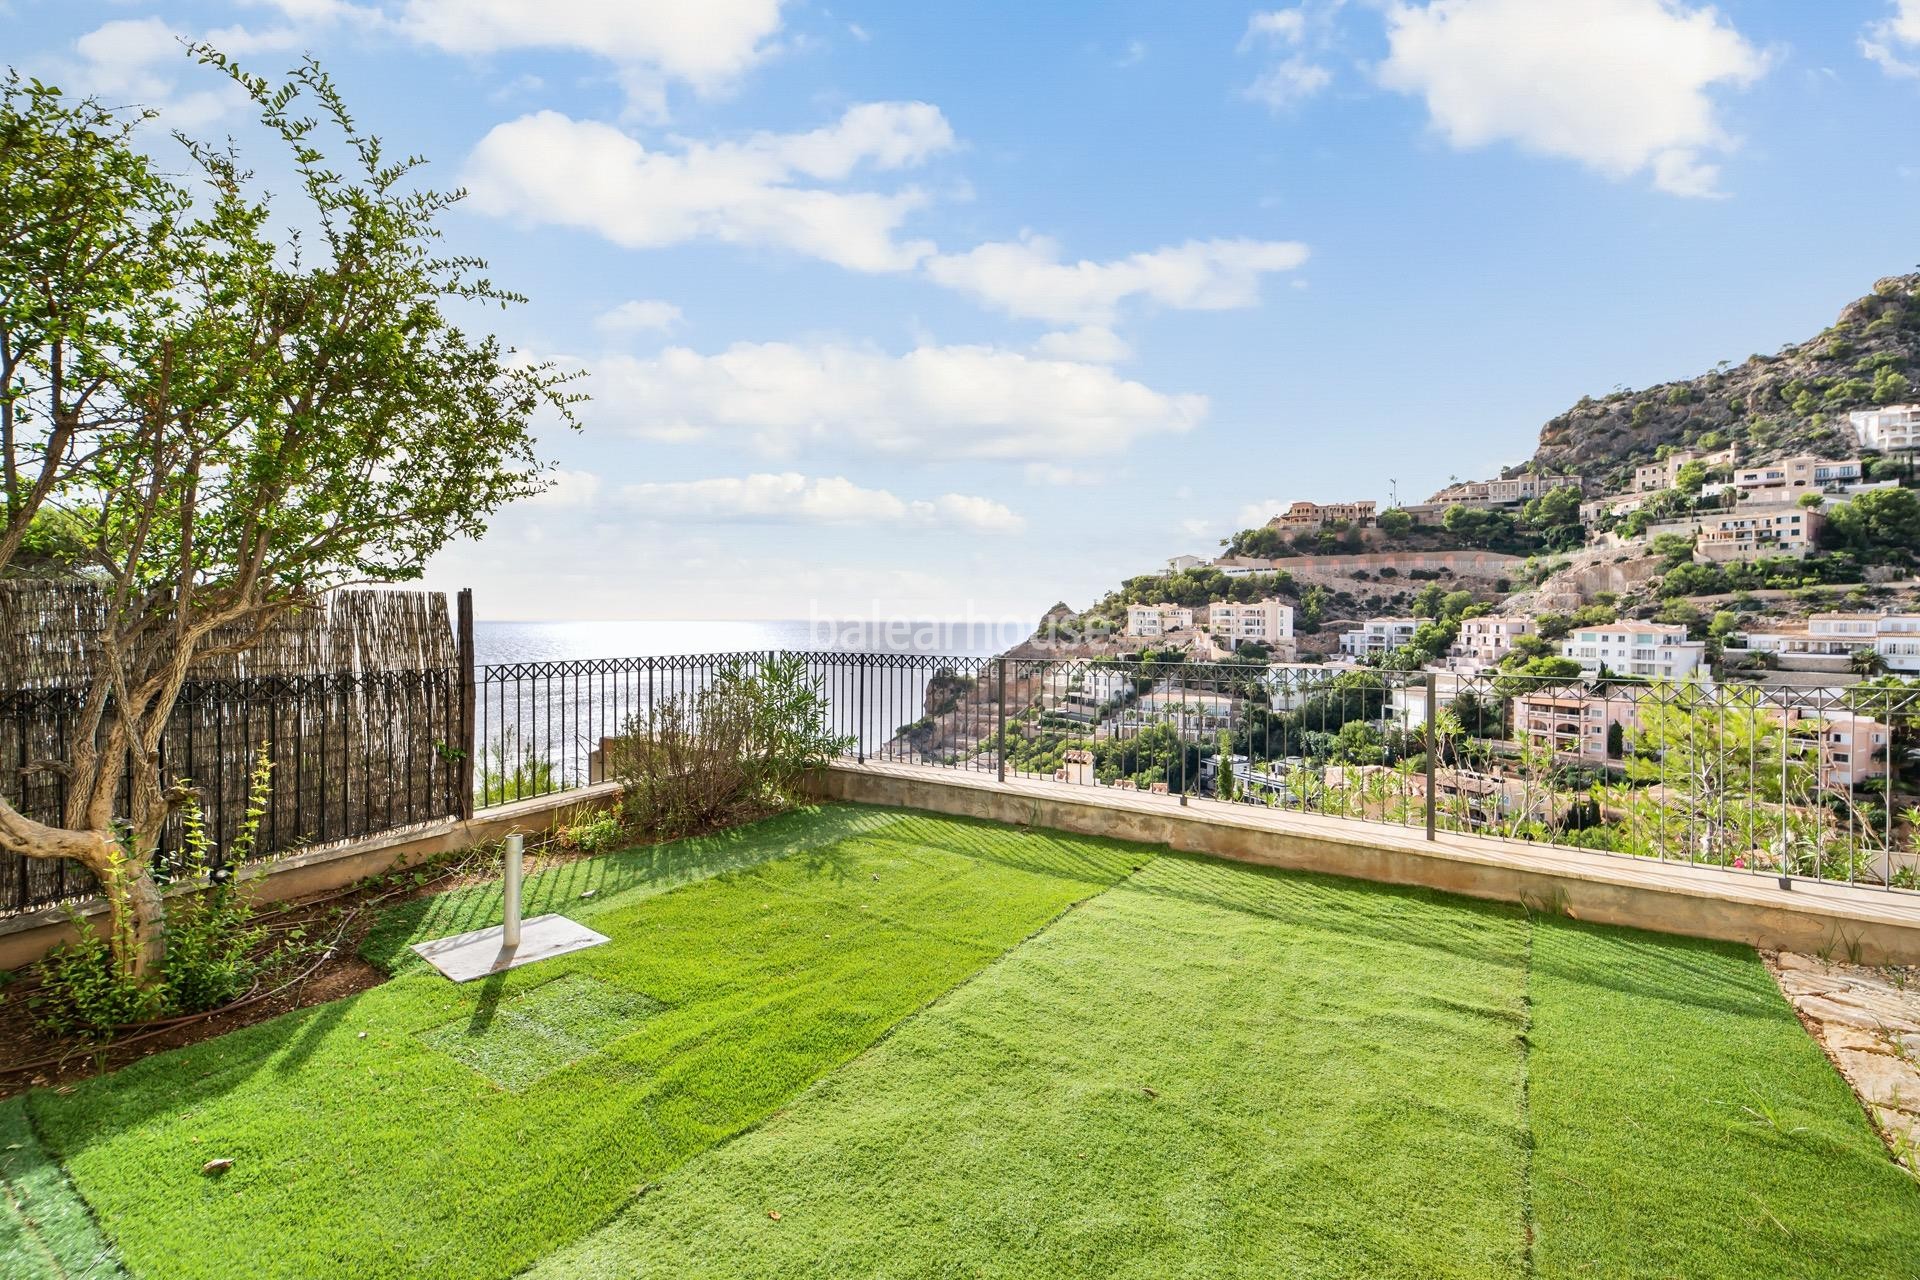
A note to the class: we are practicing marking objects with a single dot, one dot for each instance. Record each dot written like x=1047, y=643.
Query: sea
x=496, y=642
x=532, y=718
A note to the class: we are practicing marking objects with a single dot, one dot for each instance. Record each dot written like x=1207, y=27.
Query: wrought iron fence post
x=463, y=776
x=1433, y=749
x=860, y=702
x=1000, y=721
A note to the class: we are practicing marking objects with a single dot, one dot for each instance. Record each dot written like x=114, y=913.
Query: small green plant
x=597, y=834
x=82, y=994
x=211, y=944
x=510, y=772
x=213, y=951
x=1764, y=1113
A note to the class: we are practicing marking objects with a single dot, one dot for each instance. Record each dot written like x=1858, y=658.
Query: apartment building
x=1852, y=748
x=1802, y=474
x=1525, y=488
x=1665, y=473
x=1483, y=642
x=1618, y=504
x=1748, y=532
x=1890, y=429
x=1894, y=636
x=1267, y=622
x=1315, y=515
x=1510, y=492
x=1463, y=493
x=1378, y=635
x=1753, y=532
x=1649, y=649
x=1180, y=564
x=1150, y=620
x=1575, y=724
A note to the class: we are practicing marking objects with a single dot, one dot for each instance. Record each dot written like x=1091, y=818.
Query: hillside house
x=1149, y=621
x=1315, y=515
x=1649, y=649
x=1894, y=636
x=1665, y=473
x=1802, y=474
x=1378, y=635
x=1267, y=622
x=1893, y=428
x=1483, y=642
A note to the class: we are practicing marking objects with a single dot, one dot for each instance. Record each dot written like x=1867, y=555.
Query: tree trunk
x=126, y=879
x=139, y=933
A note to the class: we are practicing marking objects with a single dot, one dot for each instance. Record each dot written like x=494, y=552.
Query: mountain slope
x=1794, y=401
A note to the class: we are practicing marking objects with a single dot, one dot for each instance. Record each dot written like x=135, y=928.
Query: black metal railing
x=1820, y=784
x=350, y=755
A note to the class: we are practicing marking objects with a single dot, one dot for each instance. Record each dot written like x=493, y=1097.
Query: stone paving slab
x=1867, y=1018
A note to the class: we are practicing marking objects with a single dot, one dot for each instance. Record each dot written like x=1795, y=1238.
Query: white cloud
x=1894, y=43
x=1288, y=26
x=789, y=497
x=1623, y=86
x=137, y=60
x=1289, y=82
x=934, y=401
x=1053, y=474
x=1092, y=343
x=707, y=45
x=1255, y=514
x=568, y=489
x=1294, y=78
x=1027, y=278
x=548, y=168
x=1135, y=54
x=639, y=316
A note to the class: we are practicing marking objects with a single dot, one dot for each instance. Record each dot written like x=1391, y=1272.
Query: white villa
x=1151, y=620
x=1378, y=635
x=1894, y=636
x=1889, y=429
x=1483, y=642
x=1267, y=622
x=1650, y=649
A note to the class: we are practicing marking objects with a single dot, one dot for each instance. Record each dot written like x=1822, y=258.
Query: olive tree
x=219, y=406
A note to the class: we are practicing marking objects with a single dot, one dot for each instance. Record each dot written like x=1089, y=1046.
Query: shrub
x=83, y=995
x=739, y=746
x=601, y=832
x=508, y=772
x=213, y=951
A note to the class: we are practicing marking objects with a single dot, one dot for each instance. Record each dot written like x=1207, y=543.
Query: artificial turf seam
x=777, y=1113
x=1527, y=1224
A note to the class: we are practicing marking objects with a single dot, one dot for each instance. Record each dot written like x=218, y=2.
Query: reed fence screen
x=357, y=704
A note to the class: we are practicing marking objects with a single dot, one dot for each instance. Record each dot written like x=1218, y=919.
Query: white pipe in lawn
x=510, y=892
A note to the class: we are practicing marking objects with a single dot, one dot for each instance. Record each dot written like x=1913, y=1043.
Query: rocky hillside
x=1793, y=401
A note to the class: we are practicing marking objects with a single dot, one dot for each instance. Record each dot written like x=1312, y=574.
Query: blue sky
x=952, y=308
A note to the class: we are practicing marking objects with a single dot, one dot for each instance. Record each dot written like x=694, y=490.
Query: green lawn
x=900, y=1035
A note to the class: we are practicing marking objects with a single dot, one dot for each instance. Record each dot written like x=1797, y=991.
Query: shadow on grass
x=46, y=1230
x=1698, y=972
x=1403, y=915
x=311, y=1033
x=588, y=887
x=1089, y=859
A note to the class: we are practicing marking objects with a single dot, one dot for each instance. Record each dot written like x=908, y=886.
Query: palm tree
x=1867, y=662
